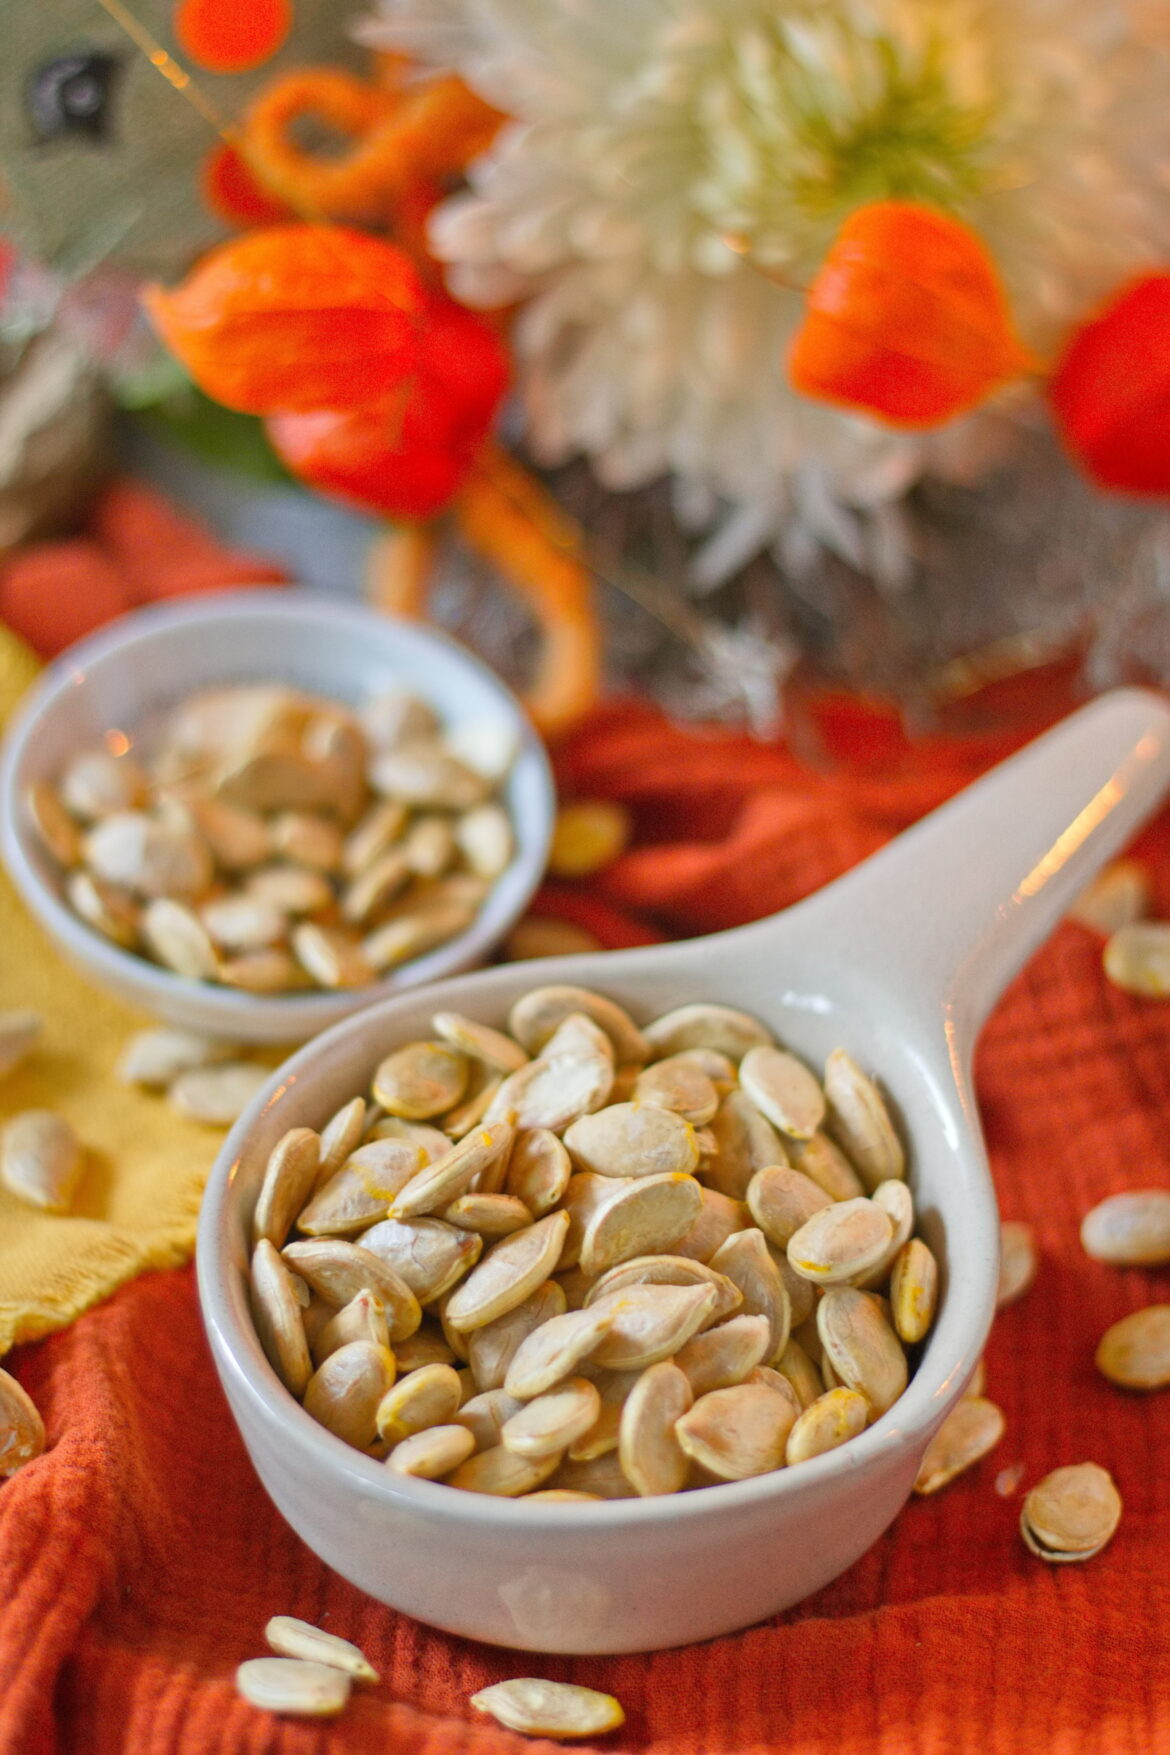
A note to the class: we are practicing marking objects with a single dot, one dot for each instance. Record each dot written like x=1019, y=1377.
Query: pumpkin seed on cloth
x=299, y=1639
x=1118, y=896
x=1130, y=1229
x=1137, y=958
x=22, y=1431
x=293, y=1686
x=1018, y=1261
x=549, y=1709
x=1071, y=1514
x=973, y=1427
x=41, y=1160
x=1135, y=1352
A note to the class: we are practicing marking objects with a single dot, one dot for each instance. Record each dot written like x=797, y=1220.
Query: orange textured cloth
x=140, y=1559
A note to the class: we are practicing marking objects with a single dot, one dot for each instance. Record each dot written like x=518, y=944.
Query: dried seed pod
x=1130, y=1229
x=509, y=1274
x=437, y=1184
x=217, y=1095
x=553, y=1420
x=421, y=1080
x=22, y=1431
x=1137, y=958
x=501, y=1472
x=744, y=1258
x=722, y=1356
x=533, y=1019
x=744, y=1143
x=841, y=1242
x=362, y=1319
x=780, y=1200
x=293, y=1686
x=972, y=1428
x=679, y=1085
x=861, y=1346
x=913, y=1291
x=19, y=1033
x=1071, y=1514
x=298, y=1639
x=155, y=1058
x=551, y=1093
x=431, y=1454
x=652, y=1459
x=650, y=1323
x=860, y=1122
x=537, y=1708
x=344, y=1392
x=553, y=1348
x=276, y=1312
x=428, y=1255
x=289, y=1176
x=484, y=837
x=1018, y=1261
x=642, y=1217
x=427, y=1397
x=831, y=1420
x=627, y=1139
x=41, y=1160
x=1135, y=1352
x=338, y=1271
x=539, y=1168
x=479, y=1041
x=739, y=1432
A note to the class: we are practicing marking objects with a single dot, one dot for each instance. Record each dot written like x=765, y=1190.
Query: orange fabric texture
x=140, y=1559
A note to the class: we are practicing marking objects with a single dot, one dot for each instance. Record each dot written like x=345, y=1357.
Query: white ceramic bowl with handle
x=899, y=962
x=124, y=677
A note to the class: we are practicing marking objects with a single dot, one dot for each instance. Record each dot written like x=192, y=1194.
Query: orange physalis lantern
x=907, y=319
x=1110, y=394
x=294, y=317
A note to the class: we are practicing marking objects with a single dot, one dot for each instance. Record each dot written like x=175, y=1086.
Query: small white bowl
x=125, y=676
x=899, y=961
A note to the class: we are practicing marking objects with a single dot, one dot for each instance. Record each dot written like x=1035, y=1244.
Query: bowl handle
x=953, y=907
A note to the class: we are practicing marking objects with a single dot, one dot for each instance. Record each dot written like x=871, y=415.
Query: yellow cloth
x=137, y=1204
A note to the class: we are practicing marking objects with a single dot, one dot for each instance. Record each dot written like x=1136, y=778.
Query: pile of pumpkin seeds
x=272, y=841
x=583, y=1259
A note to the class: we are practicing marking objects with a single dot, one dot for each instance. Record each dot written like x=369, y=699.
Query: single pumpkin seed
x=485, y=1416
x=539, y=1168
x=831, y=1420
x=679, y=1085
x=705, y=1025
x=553, y=1420
x=244, y=923
x=22, y=1431
x=554, y=1348
x=429, y=1396
x=289, y=1176
x=433, y=1453
x=913, y=1291
x=783, y=1090
x=1135, y=1352
x=537, y=1014
x=155, y=1058
x=488, y=1215
x=841, y=1242
x=666, y=1269
x=437, y=1184
x=1018, y=1261
x=359, y=1194
x=537, y=936
x=1118, y=896
x=823, y=1162
x=428, y=1255
x=332, y=957
x=485, y=839
x=652, y=1459
x=279, y=1322
x=629, y=1139
x=292, y=888
x=270, y=971
x=339, y=1271
x=509, y=1274
x=479, y=1041
x=859, y=1121
x=644, y=1216
x=862, y=1347
x=501, y=1472
x=1137, y=958
x=298, y=1639
x=1130, y=1229
x=738, y=1432
x=41, y=1160
x=780, y=1201
x=362, y=1319
x=293, y=1686
x=745, y=1259
x=345, y=1391
x=552, y=1093
x=972, y=1428
x=537, y=1708
x=722, y=1356
x=649, y=1323
x=744, y=1143
x=421, y=1080
x=1071, y=1514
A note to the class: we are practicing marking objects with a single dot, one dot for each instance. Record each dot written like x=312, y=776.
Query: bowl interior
x=114, y=687
x=813, y=1009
